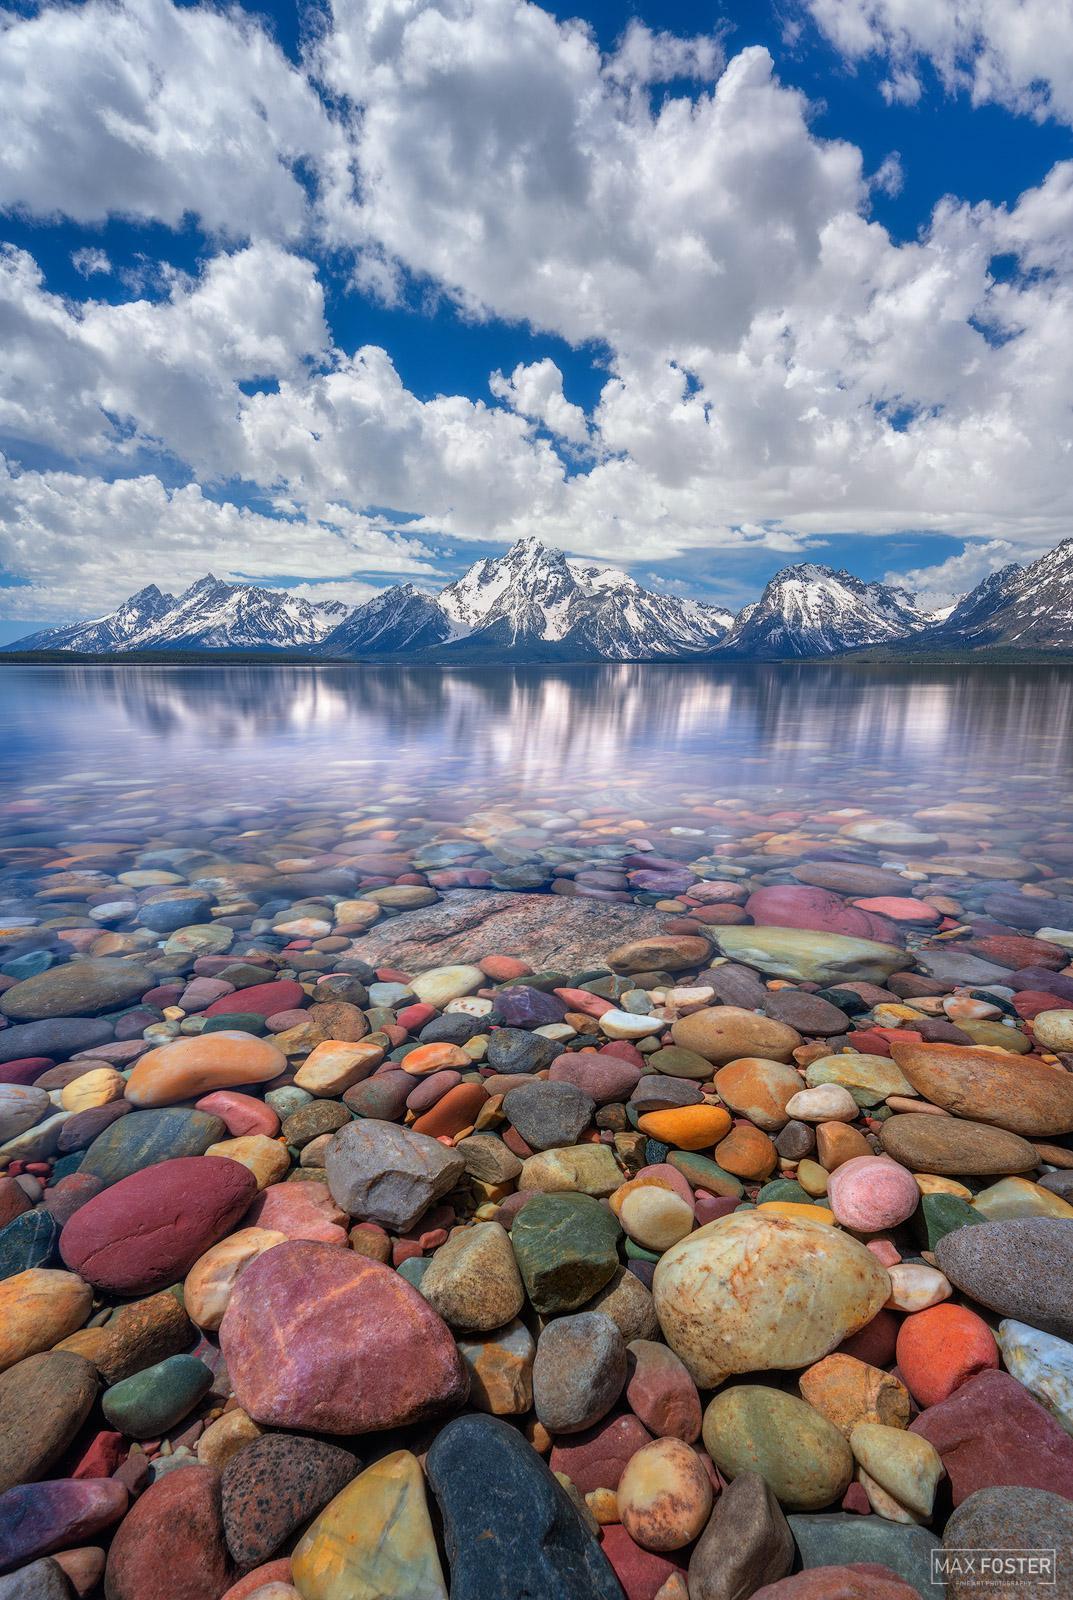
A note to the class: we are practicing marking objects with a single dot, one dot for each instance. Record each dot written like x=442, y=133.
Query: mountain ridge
x=535, y=604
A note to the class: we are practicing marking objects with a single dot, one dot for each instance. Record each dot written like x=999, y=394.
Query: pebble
x=579, y=1371
x=375, y=1538
x=781, y=1292
x=44, y=1400
x=473, y=1281
x=664, y=1495
x=273, y=1486
x=382, y=1173
x=38, y=1308
x=803, y=1458
x=1043, y=1364
x=726, y=1033
x=870, y=1194
x=1020, y=1268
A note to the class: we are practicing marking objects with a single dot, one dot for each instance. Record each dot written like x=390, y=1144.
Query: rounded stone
x=579, y=1371
x=949, y=1146
x=1054, y=1031
x=1022, y=1268
x=145, y=1138
x=756, y=1290
x=872, y=1193
x=148, y=1403
x=660, y=1391
x=146, y=1231
x=472, y=1280
x=758, y=1089
x=273, y=1486
x=211, y=1279
x=379, y=1172
x=173, y=1529
x=802, y=1457
x=722, y=1034
x=1014, y=1520
x=328, y=1341
x=38, y=1308
x=78, y=989
x=664, y=1495
x=44, y=1400
x=189, y=1068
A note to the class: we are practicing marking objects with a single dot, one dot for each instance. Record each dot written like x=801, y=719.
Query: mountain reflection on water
x=505, y=732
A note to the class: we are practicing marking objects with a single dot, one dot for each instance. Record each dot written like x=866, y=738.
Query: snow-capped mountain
x=1026, y=608
x=535, y=604
x=210, y=615
x=399, y=619
x=810, y=610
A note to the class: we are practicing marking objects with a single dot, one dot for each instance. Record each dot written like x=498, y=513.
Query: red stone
x=264, y=999
x=26, y=1070
x=146, y=1231
x=596, y=1459
x=642, y=1573
x=240, y=1113
x=798, y=906
x=323, y=1339
x=991, y=1432
x=875, y=1343
x=272, y=1572
x=13, y=1200
x=1028, y=1003
x=170, y=1545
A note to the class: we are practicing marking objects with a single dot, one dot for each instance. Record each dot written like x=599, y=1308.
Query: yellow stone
x=374, y=1541
x=98, y=1087
x=225, y=1437
x=800, y=1210
x=266, y=1158
x=812, y=1177
x=212, y=1277
x=1011, y=1198
x=907, y=1466
x=334, y=1066
x=930, y=1183
x=38, y=1308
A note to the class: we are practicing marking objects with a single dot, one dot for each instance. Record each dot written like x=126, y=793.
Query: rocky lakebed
x=569, y=1200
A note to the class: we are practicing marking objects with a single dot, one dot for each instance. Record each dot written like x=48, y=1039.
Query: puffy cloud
x=89, y=260
x=778, y=367
x=76, y=545
x=150, y=110
x=536, y=391
x=1016, y=55
x=945, y=582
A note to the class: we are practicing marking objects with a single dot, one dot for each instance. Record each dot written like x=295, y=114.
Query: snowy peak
x=209, y=615
x=399, y=619
x=1025, y=608
x=812, y=610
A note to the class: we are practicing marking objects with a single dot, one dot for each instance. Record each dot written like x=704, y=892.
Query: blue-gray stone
x=144, y=1138
x=55, y=1037
x=520, y=1537
x=840, y=1538
x=28, y=1241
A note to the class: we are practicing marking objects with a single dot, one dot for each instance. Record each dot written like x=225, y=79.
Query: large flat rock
x=547, y=930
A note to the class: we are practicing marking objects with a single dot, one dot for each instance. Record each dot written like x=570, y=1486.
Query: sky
x=335, y=296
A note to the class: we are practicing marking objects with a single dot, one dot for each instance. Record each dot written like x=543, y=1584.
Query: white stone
x=1043, y=1363
x=629, y=1025
x=827, y=1102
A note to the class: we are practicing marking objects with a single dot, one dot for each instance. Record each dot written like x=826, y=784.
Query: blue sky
x=747, y=308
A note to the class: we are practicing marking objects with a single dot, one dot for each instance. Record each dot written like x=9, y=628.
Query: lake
x=540, y=765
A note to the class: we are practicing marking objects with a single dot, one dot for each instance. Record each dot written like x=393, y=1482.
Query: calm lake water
x=134, y=752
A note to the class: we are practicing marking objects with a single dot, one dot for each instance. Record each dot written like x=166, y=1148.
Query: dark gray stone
x=549, y=1115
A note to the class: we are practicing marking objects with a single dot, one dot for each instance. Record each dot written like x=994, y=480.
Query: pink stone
x=604, y=1078
x=202, y=992
x=282, y=1021
x=900, y=909
x=301, y=1211
x=431, y=1089
x=590, y=1005
x=272, y=1572
x=792, y=906
x=884, y=1252
x=661, y=1393
x=329, y=1341
x=240, y=1113
x=710, y=1207
x=870, y=1193
x=991, y=1432
x=414, y=1018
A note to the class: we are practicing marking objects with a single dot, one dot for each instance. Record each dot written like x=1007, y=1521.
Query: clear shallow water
x=132, y=751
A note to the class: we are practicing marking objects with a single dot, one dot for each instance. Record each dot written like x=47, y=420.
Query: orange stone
x=747, y=1152
x=457, y=1110
x=188, y=1068
x=848, y=1391
x=433, y=1058
x=940, y=1347
x=758, y=1089
x=687, y=1127
x=837, y=1142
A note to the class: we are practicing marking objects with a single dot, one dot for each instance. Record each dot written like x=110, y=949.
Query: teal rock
x=78, y=989
x=65, y=1165
x=243, y=1021
x=701, y=1172
x=636, y=1252
x=414, y=1269
x=840, y=1538
x=940, y=1214
x=29, y=1241
x=784, y=1189
x=287, y=1100
x=27, y=966
x=145, y=1138
x=566, y=1246
x=155, y=1399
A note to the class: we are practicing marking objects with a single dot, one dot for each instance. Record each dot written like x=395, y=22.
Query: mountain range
x=535, y=604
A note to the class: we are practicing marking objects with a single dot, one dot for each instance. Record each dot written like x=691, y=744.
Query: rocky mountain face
x=810, y=610
x=535, y=604
x=532, y=604
x=210, y=615
x=1025, y=608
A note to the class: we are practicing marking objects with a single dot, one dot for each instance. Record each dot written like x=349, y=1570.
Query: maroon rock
x=170, y=1545
x=13, y=1200
x=660, y=1391
x=789, y=906
x=642, y=1573
x=26, y=1070
x=862, y=1580
x=79, y=1131
x=37, y=1518
x=63, y=1199
x=324, y=1340
x=602, y=1077
x=596, y=1459
x=147, y=1230
x=875, y=1342
x=263, y=998
x=991, y=1432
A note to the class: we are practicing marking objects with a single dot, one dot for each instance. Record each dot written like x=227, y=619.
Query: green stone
x=636, y=1252
x=836, y=1539
x=784, y=1189
x=805, y=956
x=701, y=1172
x=942, y=1213
x=566, y=1246
x=152, y=1401
x=144, y=1138
x=675, y=1062
x=545, y=981
x=242, y=1021
x=868, y=1078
